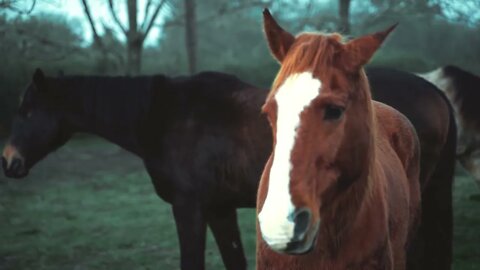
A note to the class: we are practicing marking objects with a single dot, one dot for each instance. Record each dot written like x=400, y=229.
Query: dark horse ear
x=359, y=51
x=278, y=39
x=39, y=80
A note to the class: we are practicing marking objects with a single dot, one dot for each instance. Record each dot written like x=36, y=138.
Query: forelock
x=310, y=52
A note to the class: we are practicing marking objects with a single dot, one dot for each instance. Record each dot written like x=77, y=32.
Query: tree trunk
x=344, y=12
x=190, y=35
x=134, y=40
x=134, y=57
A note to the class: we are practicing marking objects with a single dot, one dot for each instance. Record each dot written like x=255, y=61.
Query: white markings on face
x=276, y=216
x=10, y=152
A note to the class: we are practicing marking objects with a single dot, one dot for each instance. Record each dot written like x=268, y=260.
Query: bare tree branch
x=47, y=42
x=9, y=4
x=190, y=34
x=118, y=55
x=115, y=17
x=219, y=13
x=153, y=18
x=146, y=13
x=34, y=2
x=96, y=37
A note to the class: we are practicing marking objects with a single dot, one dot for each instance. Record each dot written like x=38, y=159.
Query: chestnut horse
x=463, y=90
x=342, y=185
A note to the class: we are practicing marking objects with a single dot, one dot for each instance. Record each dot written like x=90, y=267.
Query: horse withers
x=341, y=188
x=463, y=90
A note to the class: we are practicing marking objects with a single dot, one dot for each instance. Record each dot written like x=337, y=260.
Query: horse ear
x=278, y=39
x=39, y=80
x=360, y=50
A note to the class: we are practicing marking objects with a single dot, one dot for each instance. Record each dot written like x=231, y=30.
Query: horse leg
x=432, y=247
x=227, y=235
x=191, y=229
x=439, y=217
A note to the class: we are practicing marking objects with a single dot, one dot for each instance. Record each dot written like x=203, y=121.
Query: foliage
x=25, y=44
x=230, y=39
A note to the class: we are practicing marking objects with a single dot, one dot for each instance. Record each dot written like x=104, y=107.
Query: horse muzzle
x=13, y=163
x=296, y=239
x=304, y=235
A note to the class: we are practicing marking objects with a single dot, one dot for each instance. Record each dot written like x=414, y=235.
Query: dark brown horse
x=201, y=139
x=341, y=187
x=205, y=143
x=463, y=90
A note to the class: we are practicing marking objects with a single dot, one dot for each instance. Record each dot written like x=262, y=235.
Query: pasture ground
x=91, y=205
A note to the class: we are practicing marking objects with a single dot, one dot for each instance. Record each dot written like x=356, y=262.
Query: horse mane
x=466, y=88
x=121, y=102
x=115, y=101
x=301, y=57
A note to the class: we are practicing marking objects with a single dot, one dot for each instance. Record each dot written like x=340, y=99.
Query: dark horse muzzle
x=304, y=234
x=13, y=163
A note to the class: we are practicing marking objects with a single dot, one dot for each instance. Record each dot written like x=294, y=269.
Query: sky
x=73, y=10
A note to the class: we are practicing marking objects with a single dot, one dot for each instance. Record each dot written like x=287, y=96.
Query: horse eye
x=333, y=112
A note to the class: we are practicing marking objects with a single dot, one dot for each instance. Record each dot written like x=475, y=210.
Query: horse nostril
x=16, y=165
x=302, y=221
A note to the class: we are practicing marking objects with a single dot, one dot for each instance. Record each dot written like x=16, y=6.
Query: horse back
x=401, y=137
x=462, y=89
x=425, y=106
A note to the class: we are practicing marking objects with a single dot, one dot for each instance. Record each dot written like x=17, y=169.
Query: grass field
x=91, y=206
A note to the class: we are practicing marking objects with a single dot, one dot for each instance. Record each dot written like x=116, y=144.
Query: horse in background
x=463, y=90
x=342, y=185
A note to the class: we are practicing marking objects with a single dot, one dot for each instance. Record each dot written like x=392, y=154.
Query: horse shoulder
x=399, y=133
x=403, y=193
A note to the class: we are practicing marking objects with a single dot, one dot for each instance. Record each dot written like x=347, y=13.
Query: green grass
x=91, y=205
x=467, y=224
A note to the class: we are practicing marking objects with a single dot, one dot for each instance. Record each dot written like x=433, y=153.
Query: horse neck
x=112, y=108
x=352, y=202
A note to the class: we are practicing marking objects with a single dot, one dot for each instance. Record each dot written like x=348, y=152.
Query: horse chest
x=380, y=258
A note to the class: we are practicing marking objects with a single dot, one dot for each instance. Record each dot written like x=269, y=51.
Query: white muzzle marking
x=276, y=217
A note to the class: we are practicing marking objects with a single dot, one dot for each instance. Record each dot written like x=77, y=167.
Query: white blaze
x=275, y=218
